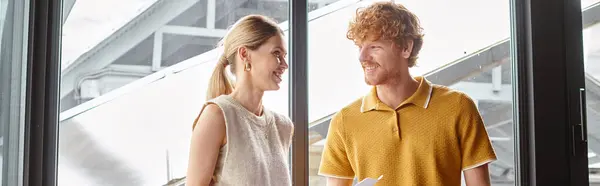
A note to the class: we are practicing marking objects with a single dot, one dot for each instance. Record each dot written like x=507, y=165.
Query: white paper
x=369, y=181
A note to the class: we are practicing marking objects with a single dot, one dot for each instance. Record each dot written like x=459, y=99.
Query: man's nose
x=364, y=55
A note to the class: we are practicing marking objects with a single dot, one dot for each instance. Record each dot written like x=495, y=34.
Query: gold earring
x=247, y=66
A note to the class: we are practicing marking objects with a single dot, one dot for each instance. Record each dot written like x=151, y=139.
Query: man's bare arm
x=478, y=176
x=338, y=181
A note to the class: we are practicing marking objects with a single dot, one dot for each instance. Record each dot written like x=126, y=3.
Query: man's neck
x=397, y=91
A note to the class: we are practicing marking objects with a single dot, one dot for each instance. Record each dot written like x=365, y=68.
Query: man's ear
x=407, y=50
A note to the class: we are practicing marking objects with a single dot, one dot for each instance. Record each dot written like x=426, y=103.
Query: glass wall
x=134, y=78
x=591, y=36
x=13, y=73
x=467, y=49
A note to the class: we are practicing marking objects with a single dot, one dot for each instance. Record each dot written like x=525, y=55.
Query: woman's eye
x=277, y=57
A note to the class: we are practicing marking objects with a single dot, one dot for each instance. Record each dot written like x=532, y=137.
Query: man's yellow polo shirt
x=427, y=140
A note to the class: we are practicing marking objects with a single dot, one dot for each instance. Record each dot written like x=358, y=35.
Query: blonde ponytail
x=219, y=82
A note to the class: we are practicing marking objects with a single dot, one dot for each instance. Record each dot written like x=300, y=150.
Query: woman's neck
x=250, y=98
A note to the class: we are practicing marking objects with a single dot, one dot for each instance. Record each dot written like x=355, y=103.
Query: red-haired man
x=408, y=130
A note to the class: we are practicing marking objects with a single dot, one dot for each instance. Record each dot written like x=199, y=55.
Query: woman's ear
x=244, y=54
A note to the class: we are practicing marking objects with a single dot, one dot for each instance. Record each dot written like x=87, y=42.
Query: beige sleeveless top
x=257, y=148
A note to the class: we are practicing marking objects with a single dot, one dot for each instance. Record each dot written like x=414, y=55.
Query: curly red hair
x=387, y=21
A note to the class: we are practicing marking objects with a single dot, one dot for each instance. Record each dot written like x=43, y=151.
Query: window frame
x=42, y=92
x=14, y=50
x=548, y=150
x=298, y=94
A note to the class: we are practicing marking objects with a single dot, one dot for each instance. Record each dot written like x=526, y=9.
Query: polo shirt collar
x=421, y=97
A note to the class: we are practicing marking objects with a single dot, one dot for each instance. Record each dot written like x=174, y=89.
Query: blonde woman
x=235, y=140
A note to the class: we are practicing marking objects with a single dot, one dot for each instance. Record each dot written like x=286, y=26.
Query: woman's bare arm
x=207, y=138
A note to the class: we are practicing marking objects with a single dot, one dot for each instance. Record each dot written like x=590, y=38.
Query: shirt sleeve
x=476, y=147
x=334, y=161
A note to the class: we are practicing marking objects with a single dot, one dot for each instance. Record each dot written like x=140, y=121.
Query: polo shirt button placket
x=397, y=124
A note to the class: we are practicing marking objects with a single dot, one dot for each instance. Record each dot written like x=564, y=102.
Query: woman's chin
x=274, y=87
